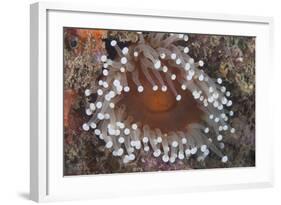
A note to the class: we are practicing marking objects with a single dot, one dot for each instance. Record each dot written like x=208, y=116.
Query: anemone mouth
x=160, y=109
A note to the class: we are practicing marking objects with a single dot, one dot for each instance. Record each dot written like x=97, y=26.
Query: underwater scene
x=140, y=101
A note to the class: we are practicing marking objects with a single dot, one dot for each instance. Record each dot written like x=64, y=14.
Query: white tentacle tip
x=97, y=132
x=165, y=158
x=173, y=76
x=187, y=66
x=178, y=61
x=162, y=55
x=99, y=105
x=140, y=88
x=125, y=50
x=175, y=144
x=165, y=69
x=181, y=156
x=145, y=139
x=93, y=125
x=178, y=98
x=229, y=103
x=134, y=126
x=109, y=144
x=131, y=157
x=157, y=64
x=201, y=63
x=92, y=106
x=187, y=152
x=100, y=92
x=164, y=88
x=183, y=87
x=172, y=159
x=113, y=43
x=191, y=60
x=183, y=140
x=227, y=94
x=193, y=150
x=122, y=70
x=89, y=112
x=103, y=58
x=201, y=77
x=105, y=72
x=206, y=130
x=155, y=88
x=87, y=92
x=186, y=50
x=173, y=56
x=224, y=159
x=85, y=127
x=126, y=89
x=219, y=137
x=203, y=148
x=157, y=153
x=123, y=60
x=120, y=152
x=111, y=105
x=146, y=148
x=121, y=140
x=159, y=139
x=127, y=131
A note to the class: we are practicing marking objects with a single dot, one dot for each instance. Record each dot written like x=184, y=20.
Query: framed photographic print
x=128, y=102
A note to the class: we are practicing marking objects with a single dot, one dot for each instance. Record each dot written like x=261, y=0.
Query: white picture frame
x=46, y=178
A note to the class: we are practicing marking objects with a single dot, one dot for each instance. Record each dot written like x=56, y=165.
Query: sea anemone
x=153, y=96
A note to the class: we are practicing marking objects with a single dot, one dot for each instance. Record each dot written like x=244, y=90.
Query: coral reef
x=150, y=106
